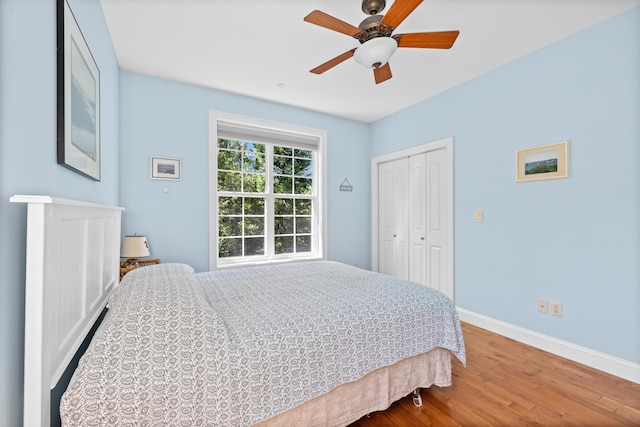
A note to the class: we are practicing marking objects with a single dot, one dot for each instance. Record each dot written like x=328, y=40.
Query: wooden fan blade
x=433, y=40
x=399, y=10
x=382, y=74
x=333, y=62
x=327, y=21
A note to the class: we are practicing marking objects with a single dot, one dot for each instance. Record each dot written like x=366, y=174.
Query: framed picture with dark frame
x=543, y=162
x=166, y=168
x=78, y=145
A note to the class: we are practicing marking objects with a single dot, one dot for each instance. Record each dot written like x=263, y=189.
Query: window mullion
x=270, y=203
x=315, y=205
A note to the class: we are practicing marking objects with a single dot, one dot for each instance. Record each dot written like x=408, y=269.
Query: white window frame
x=288, y=133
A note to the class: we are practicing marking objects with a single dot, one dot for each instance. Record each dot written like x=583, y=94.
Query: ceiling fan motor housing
x=372, y=28
x=373, y=7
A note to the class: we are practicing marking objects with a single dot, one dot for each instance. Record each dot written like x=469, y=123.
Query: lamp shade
x=134, y=247
x=376, y=52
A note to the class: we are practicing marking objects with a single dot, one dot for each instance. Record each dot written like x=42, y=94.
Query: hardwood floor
x=507, y=383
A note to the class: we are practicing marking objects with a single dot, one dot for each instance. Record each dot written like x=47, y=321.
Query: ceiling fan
x=375, y=36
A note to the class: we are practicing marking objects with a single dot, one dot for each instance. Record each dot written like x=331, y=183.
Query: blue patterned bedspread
x=235, y=347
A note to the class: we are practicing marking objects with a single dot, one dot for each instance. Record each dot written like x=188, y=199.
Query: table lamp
x=134, y=247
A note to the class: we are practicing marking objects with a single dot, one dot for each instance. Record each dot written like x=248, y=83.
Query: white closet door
x=412, y=218
x=393, y=253
x=418, y=219
x=437, y=241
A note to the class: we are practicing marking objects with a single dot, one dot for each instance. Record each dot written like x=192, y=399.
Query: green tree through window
x=265, y=197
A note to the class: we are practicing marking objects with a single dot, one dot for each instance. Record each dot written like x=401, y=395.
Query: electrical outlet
x=543, y=306
x=556, y=309
x=478, y=216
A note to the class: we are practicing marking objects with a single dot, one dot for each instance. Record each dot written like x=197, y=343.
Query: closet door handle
x=422, y=238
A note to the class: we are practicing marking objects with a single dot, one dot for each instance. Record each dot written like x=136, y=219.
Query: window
x=267, y=199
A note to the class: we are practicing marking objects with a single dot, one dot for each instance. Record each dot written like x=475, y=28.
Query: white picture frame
x=168, y=168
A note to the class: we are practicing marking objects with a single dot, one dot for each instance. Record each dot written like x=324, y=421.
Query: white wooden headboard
x=72, y=267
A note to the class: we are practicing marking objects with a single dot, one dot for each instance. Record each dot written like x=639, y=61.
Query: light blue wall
x=163, y=118
x=28, y=153
x=575, y=240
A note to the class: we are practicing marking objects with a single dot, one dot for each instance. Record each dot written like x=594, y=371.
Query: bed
x=240, y=347
x=314, y=343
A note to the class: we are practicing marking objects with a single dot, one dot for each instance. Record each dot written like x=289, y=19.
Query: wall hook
x=346, y=185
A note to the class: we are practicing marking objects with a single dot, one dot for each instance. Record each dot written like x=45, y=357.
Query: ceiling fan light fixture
x=376, y=52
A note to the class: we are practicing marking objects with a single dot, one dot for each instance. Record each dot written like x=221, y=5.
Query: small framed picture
x=166, y=168
x=543, y=162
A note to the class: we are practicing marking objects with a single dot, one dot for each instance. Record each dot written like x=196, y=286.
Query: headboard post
x=72, y=267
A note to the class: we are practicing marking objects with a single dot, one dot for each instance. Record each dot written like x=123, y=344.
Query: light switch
x=478, y=216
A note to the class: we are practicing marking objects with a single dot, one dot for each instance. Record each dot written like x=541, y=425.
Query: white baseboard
x=603, y=362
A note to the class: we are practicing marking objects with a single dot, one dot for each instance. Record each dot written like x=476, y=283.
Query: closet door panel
x=435, y=267
x=393, y=218
x=418, y=219
x=436, y=199
x=386, y=249
x=400, y=194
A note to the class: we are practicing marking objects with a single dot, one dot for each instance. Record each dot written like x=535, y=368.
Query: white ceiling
x=265, y=50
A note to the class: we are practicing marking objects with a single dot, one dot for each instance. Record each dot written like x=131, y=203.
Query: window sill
x=261, y=263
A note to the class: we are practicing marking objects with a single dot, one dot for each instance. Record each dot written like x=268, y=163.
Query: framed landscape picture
x=542, y=162
x=78, y=144
x=165, y=168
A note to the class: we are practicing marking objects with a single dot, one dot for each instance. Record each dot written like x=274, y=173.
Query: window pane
x=282, y=185
x=234, y=144
x=303, y=244
x=254, y=226
x=284, y=244
x=282, y=165
x=230, y=226
x=303, y=186
x=282, y=151
x=283, y=206
x=303, y=167
x=253, y=246
x=306, y=154
x=223, y=143
x=254, y=183
x=303, y=207
x=229, y=181
x=230, y=205
x=303, y=225
x=253, y=162
x=283, y=225
x=229, y=160
x=252, y=147
x=229, y=247
x=253, y=206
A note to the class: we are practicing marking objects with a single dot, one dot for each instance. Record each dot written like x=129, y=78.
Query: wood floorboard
x=507, y=383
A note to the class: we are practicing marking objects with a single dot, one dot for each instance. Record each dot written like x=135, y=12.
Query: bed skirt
x=376, y=391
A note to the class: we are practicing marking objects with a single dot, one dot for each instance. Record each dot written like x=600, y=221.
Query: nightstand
x=126, y=266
